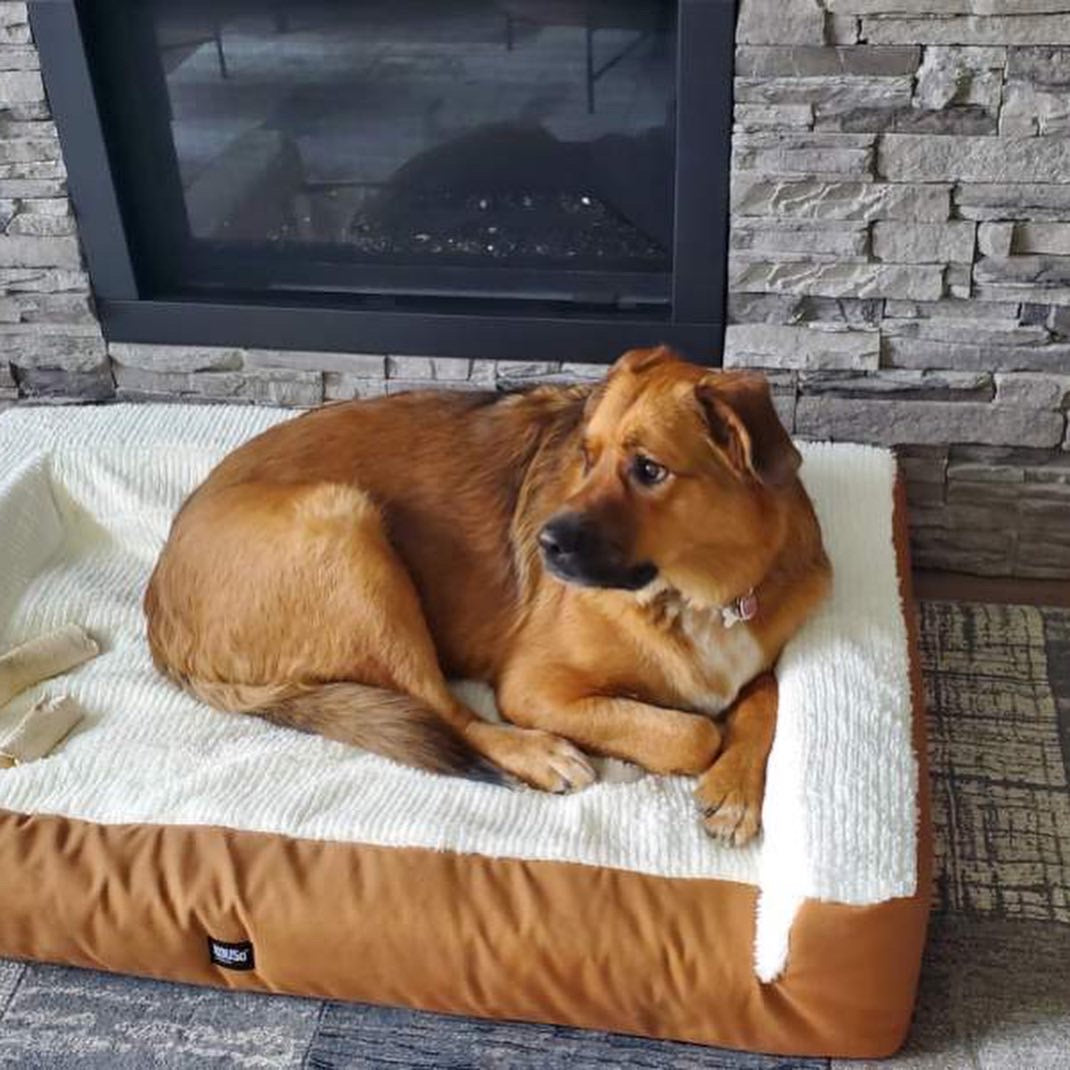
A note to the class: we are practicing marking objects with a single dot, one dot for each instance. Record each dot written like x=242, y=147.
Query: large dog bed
x=166, y=839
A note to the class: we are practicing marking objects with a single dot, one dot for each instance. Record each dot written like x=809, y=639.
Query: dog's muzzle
x=575, y=551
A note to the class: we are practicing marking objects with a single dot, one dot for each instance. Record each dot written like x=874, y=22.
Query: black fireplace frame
x=131, y=309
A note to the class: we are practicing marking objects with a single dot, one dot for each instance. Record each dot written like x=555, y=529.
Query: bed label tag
x=231, y=956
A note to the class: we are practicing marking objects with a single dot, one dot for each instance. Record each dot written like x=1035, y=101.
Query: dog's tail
x=388, y=723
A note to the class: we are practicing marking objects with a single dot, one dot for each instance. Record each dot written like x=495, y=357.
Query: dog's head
x=682, y=475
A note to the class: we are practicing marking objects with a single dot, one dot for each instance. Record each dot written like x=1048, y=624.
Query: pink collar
x=743, y=608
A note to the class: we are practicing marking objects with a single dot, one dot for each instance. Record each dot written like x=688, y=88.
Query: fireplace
x=511, y=178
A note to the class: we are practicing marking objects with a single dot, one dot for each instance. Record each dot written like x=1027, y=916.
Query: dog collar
x=743, y=608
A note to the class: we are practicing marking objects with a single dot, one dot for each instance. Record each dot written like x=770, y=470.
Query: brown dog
x=622, y=563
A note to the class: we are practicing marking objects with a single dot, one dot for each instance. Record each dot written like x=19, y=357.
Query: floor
x=995, y=990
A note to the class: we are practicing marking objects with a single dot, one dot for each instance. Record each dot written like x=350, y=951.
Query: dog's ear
x=640, y=360
x=744, y=425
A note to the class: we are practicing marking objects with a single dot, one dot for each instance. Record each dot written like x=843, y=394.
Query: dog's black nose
x=562, y=535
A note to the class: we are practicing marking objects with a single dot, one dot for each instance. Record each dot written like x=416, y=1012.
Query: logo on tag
x=231, y=956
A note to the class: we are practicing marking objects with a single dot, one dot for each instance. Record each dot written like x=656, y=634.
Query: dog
x=622, y=563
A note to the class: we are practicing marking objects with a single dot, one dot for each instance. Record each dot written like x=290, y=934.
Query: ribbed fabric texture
x=86, y=500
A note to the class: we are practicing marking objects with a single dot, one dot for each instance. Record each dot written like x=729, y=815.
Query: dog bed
x=166, y=839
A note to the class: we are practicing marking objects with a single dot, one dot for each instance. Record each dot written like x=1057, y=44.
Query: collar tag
x=743, y=608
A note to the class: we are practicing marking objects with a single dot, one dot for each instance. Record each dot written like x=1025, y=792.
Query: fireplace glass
x=525, y=175
x=510, y=143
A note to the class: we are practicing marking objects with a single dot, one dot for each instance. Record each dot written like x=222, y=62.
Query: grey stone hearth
x=900, y=263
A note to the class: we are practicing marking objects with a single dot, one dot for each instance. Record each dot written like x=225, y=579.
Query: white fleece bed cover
x=86, y=501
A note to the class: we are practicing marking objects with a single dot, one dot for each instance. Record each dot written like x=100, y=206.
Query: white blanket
x=86, y=500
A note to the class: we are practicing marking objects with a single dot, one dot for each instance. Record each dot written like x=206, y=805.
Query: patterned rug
x=996, y=981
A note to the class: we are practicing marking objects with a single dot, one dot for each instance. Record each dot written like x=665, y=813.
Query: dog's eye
x=648, y=472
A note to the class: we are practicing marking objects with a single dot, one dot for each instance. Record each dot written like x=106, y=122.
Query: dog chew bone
x=38, y=659
x=48, y=721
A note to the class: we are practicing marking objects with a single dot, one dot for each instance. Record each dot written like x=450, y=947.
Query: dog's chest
x=717, y=660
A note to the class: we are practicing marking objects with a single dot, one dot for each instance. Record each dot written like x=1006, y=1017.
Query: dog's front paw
x=538, y=758
x=729, y=797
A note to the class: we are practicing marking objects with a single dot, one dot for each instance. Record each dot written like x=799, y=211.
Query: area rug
x=996, y=981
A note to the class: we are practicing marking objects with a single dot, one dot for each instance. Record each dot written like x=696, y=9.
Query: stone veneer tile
x=1044, y=29
x=921, y=243
x=21, y=251
x=757, y=195
x=1048, y=238
x=803, y=308
x=915, y=282
x=748, y=117
x=923, y=158
x=954, y=309
x=928, y=385
x=764, y=238
x=831, y=97
x=20, y=87
x=899, y=7
x=181, y=359
x=1041, y=65
x=920, y=353
x=1041, y=279
x=1041, y=391
x=811, y=61
x=780, y=22
x=995, y=239
x=764, y=345
x=1036, y=201
x=805, y=155
x=360, y=365
x=1030, y=110
x=889, y=422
